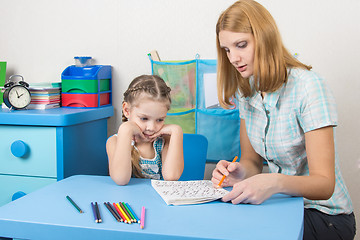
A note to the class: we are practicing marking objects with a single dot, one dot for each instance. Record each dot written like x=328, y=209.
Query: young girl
x=144, y=146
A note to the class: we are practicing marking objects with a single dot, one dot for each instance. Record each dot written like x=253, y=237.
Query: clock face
x=19, y=97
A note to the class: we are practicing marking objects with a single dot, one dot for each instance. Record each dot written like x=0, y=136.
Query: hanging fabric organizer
x=195, y=106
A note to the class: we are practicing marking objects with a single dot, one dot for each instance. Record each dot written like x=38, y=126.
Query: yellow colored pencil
x=122, y=211
x=223, y=178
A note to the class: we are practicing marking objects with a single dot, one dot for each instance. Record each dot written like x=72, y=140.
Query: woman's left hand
x=253, y=190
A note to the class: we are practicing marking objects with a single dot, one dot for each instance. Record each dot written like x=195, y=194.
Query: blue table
x=46, y=214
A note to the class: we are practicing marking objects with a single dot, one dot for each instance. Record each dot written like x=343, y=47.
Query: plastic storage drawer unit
x=88, y=86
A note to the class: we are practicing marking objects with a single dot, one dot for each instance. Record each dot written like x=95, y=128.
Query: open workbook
x=187, y=192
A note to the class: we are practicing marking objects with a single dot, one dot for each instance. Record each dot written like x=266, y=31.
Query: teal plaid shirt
x=276, y=127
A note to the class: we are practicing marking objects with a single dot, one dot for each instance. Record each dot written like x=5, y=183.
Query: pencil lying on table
x=98, y=215
x=126, y=212
x=117, y=218
x=223, y=178
x=74, y=204
x=133, y=213
x=94, y=212
x=142, y=221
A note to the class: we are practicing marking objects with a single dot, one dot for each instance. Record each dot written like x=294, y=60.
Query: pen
x=223, y=178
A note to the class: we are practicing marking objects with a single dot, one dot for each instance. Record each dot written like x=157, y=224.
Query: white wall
x=39, y=38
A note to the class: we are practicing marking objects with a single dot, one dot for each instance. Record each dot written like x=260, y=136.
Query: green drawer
x=12, y=185
x=84, y=86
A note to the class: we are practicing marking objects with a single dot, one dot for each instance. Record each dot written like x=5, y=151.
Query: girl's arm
x=119, y=153
x=319, y=185
x=172, y=154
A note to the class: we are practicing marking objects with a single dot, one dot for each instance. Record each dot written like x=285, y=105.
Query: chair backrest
x=195, y=152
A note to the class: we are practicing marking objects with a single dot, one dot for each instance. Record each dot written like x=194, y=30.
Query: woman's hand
x=253, y=190
x=234, y=173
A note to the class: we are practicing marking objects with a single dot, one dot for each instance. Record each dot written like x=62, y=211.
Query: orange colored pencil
x=223, y=178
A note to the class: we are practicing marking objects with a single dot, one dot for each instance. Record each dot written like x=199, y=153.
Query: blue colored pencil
x=132, y=212
x=94, y=212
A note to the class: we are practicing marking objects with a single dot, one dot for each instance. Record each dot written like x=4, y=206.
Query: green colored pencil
x=130, y=213
x=74, y=204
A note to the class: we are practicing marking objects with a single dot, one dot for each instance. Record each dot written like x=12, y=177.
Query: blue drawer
x=28, y=150
x=13, y=186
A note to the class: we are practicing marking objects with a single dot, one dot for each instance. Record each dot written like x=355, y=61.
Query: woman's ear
x=126, y=109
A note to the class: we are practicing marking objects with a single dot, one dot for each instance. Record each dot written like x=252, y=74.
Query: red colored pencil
x=118, y=210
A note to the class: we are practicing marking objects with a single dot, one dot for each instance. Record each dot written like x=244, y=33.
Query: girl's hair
x=141, y=87
x=271, y=58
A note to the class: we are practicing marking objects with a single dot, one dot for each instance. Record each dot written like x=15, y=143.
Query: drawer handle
x=17, y=195
x=19, y=148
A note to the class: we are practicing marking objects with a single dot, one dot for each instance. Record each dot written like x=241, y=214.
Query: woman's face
x=240, y=50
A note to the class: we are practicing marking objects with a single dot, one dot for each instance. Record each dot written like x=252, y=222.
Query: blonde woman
x=288, y=115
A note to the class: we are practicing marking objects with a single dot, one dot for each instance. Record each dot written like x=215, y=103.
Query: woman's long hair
x=271, y=58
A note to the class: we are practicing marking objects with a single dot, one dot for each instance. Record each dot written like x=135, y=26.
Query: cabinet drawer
x=39, y=156
x=13, y=185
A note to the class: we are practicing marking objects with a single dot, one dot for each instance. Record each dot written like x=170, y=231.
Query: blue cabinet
x=38, y=147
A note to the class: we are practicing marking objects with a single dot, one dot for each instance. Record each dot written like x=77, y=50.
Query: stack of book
x=45, y=95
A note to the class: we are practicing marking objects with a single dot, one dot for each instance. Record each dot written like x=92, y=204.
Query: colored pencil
x=94, y=212
x=142, y=221
x=74, y=204
x=223, y=178
x=127, y=212
x=122, y=211
x=112, y=213
x=98, y=212
x=118, y=212
x=114, y=210
x=132, y=212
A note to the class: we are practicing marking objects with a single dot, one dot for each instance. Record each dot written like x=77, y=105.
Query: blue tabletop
x=46, y=214
x=54, y=117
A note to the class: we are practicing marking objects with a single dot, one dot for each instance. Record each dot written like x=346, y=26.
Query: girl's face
x=240, y=50
x=148, y=114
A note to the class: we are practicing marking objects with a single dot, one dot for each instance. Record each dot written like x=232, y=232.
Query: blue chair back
x=195, y=152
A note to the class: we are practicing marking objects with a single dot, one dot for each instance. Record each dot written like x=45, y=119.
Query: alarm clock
x=16, y=95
